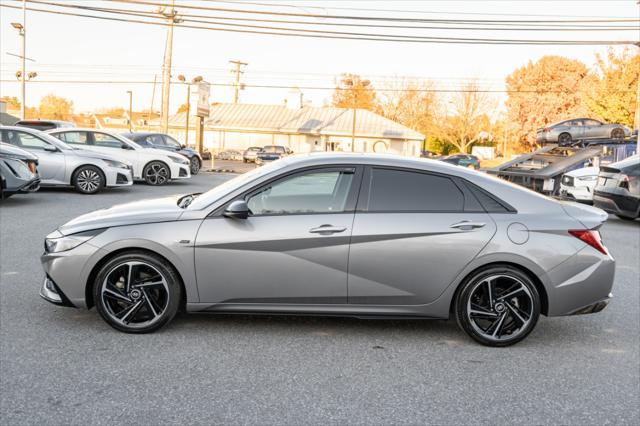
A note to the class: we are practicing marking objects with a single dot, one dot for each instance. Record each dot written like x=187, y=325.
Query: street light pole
x=130, y=110
x=21, y=27
x=195, y=80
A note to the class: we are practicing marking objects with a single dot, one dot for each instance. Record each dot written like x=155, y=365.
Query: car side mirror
x=50, y=148
x=125, y=146
x=183, y=146
x=237, y=210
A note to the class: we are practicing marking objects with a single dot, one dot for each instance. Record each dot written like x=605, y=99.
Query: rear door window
x=406, y=191
x=74, y=138
x=106, y=141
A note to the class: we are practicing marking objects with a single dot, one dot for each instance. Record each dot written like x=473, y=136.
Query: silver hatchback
x=369, y=236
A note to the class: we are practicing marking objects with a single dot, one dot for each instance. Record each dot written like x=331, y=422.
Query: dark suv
x=166, y=142
x=618, y=188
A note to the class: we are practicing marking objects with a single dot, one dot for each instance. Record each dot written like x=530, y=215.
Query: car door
x=576, y=129
x=51, y=160
x=294, y=247
x=107, y=144
x=413, y=233
x=593, y=129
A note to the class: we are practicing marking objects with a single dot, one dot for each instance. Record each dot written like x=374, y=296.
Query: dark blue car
x=168, y=143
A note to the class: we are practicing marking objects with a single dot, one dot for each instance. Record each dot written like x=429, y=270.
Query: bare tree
x=466, y=118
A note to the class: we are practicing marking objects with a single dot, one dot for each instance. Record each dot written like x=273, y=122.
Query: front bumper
x=52, y=293
x=580, y=193
x=180, y=171
x=119, y=177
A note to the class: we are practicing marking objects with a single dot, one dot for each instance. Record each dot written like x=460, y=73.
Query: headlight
x=116, y=164
x=180, y=160
x=56, y=242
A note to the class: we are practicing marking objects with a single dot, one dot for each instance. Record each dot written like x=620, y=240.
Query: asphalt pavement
x=66, y=366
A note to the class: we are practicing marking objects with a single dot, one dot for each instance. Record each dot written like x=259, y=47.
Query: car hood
x=135, y=213
x=585, y=171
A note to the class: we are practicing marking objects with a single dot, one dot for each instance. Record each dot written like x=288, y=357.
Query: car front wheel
x=137, y=292
x=156, y=173
x=617, y=134
x=498, y=306
x=195, y=165
x=88, y=180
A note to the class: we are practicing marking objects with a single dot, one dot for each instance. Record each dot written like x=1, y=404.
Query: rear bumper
x=580, y=193
x=594, y=307
x=616, y=203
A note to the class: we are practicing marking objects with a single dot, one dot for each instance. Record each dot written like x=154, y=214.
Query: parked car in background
x=412, y=238
x=250, y=154
x=44, y=125
x=18, y=171
x=464, y=160
x=567, y=131
x=428, y=154
x=154, y=166
x=579, y=184
x=168, y=143
x=60, y=164
x=271, y=153
x=229, y=155
x=618, y=188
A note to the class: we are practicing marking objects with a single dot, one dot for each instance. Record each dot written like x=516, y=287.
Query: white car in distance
x=154, y=166
x=579, y=184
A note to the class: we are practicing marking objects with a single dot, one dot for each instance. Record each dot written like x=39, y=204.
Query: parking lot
x=65, y=366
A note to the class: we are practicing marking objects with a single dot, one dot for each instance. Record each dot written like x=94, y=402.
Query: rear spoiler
x=590, y=217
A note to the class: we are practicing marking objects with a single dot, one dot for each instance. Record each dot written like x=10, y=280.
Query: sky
x=76, y=48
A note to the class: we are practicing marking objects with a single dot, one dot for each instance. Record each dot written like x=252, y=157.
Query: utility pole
x=130, y=110
x=237, y=71
x=352, y=83
x=170, y=15
x=195, y=80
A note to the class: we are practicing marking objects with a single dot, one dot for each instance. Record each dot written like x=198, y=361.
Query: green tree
x=543, y=92
x=55, y=107
x=354, y=92
x=611, y=95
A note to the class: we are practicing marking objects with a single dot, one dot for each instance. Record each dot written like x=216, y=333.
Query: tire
x=617, y=134
x=564, y=139
x=156, y=173
x=501, y=321
x=88, y=180
x=194, y=165
x=132, y=309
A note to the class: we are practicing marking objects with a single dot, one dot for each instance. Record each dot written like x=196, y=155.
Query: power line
x=208, y=19
x=411, y=11
x=256, y=86
x=374, y=18
x=351, y=36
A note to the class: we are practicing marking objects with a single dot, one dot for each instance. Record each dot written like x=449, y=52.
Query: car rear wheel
x=195, y=165
x=498, y=306
x=137, y=292
x=156, y=173
x=564, y=139
x=617, y=134
x=88, y=180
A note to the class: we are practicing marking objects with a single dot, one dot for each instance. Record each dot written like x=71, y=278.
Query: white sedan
x=579, y=184
x=154, y=166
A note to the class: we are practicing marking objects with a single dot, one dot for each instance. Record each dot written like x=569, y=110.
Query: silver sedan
x=369, y=236
x=60, y=164
x=567, y=131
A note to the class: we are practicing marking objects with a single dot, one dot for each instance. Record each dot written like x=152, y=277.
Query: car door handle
x=466, y=225
x=327, y=229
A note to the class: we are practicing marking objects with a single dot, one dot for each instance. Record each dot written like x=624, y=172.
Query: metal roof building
x=303, y=129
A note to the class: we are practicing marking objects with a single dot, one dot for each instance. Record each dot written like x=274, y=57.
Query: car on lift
x=168, y=143
x=567, y=131
x=18, y=171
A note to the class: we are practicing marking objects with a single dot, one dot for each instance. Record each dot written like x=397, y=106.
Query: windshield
x=220, y=191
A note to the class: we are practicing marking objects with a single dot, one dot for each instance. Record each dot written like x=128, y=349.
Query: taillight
x=546, y=129
x=623, y=182
x=590, y=237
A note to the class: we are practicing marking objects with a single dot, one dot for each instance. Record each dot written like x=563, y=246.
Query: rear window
x=271, y=149
x=38, y=125
x=406, y=191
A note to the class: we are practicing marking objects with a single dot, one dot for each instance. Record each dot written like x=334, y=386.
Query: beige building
x=301, y=128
